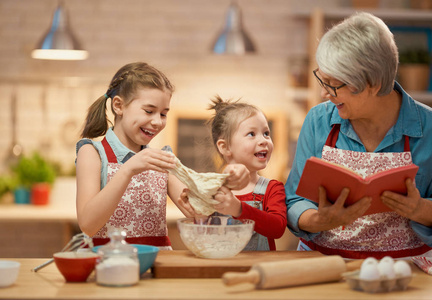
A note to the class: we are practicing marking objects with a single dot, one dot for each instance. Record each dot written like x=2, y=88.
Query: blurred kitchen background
x=44, y=102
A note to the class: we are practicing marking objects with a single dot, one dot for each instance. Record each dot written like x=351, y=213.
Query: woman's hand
x=411, y=206
x=239, y=176
x=150, y=159
x=228, y=203
x=329, y=216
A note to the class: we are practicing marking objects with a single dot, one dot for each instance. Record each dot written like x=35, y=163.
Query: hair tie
x=106, y=96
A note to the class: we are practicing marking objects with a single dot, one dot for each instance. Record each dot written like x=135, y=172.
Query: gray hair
x=360, y=51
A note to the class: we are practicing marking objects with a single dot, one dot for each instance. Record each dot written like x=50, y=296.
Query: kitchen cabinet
x=320, y=19
x=32, y=231
x=39, y=230
x=34, y=238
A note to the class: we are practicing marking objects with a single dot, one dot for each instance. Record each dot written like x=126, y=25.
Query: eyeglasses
x=330, y=89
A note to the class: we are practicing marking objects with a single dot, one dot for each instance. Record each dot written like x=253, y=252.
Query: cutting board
x=184, y=264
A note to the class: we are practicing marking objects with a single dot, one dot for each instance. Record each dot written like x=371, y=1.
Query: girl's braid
x=116, y=82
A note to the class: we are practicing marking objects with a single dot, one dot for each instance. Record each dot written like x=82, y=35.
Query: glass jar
x=118, y=264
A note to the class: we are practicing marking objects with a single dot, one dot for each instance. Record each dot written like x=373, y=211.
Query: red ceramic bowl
x=75, y=266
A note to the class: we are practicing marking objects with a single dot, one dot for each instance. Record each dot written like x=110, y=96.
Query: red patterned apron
x=142, y=210
x=377, y=234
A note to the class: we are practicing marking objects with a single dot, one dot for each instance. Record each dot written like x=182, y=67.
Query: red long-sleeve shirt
x=272, y=220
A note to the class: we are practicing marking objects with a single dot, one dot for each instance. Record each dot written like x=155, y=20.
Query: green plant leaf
x=33, y=169
x=415, y=56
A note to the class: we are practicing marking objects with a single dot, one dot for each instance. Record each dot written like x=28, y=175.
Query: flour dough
x=202, y=186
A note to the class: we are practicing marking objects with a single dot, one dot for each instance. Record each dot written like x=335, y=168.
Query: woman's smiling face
x=350, y=105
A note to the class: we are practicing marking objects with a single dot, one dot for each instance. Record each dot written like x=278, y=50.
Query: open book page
x=318, y=172
x=354, y=173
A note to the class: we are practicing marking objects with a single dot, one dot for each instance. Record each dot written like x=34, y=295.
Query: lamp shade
x=59, y=43
x=233, y=39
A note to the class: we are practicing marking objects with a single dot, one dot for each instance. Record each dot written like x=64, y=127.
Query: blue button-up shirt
x=415, y=121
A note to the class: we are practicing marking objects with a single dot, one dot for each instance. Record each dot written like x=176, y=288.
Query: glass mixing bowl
x=224, y=240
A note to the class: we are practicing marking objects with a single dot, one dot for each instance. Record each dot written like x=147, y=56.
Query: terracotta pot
x=414, y=77
x=40, y=193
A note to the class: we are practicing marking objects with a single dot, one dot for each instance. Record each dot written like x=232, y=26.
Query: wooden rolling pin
x=276, y=274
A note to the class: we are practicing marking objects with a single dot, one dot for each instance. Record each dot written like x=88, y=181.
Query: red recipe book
x=333, y=177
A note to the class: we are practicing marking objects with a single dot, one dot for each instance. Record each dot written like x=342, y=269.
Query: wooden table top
x=48, y=283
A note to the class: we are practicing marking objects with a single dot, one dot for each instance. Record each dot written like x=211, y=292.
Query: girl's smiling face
x=251, y=143
x=146, y=115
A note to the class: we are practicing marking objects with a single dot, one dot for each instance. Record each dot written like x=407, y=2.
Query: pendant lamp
x=59, y=43
x=233, y=39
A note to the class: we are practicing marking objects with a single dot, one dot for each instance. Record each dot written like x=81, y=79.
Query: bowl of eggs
x=383, y=275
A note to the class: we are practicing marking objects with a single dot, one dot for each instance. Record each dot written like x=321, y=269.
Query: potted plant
x=35, y=174
x=414, y=69
x=6, y=187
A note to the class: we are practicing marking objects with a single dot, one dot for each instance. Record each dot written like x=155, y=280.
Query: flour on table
x=202, y=186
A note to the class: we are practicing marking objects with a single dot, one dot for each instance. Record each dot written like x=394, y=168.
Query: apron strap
x=260, y=189
x=109, y=151
x=334, y=133
x=333, y=136
x=261, y=186
x=258, y=242
x=407, y=145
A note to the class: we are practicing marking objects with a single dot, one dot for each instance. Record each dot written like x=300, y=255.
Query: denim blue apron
x=258, y=242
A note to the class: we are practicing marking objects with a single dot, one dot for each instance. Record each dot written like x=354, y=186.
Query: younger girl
x=121, y=182
x=241, y=135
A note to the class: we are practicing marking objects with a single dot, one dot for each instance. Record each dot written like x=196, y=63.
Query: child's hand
x=239, y=176
x=183, y=200
x=228, y=203
x=150, y=159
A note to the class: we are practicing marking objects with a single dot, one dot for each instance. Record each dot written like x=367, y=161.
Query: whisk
x=77, y=242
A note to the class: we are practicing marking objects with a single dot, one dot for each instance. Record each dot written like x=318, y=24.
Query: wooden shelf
x=424, y=97
x=387, y=14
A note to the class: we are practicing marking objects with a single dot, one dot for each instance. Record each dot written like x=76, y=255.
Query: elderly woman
x=368, y=121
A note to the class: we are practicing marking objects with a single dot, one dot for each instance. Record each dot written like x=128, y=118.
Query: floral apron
x=374, y=235
x=141, y=212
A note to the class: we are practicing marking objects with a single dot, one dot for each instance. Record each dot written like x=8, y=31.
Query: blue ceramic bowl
x=146, y=255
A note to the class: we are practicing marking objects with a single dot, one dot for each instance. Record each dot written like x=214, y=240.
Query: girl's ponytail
x=96, y=123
